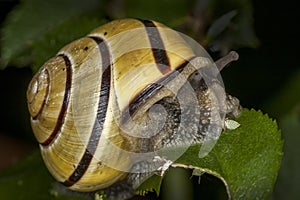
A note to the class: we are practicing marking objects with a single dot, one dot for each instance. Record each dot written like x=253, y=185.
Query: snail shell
x=79, y=98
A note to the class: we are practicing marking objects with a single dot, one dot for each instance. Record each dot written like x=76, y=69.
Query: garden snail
x=80, y=99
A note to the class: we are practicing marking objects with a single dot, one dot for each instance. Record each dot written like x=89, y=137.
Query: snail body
x=80, y=99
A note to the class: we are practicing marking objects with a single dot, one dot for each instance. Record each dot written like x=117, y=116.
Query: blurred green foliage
x=35, y=24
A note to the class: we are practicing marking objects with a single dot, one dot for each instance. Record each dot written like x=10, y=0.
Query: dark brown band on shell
x=158, y=49
x=101, y=114
x=149, y=91
x=64, y=107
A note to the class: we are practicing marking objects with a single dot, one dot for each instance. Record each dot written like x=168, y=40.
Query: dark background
x=255, y=79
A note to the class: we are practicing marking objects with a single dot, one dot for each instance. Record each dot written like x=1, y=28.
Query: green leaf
x=30, y=179
x=47, y=46
x=246, y=159
x=285, y=106
x=287, y=185
x=32, y=19
x=151, y=184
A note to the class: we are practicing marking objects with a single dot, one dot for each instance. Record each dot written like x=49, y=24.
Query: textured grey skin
x=171, y=134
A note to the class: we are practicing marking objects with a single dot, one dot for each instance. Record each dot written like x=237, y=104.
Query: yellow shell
x=78, y=96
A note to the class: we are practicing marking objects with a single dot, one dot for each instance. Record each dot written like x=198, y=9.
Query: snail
x=121, y=89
